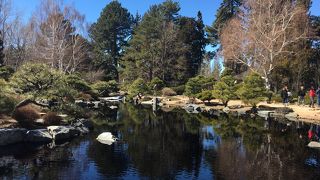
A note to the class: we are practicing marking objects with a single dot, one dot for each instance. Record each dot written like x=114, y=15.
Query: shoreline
x=301, y=113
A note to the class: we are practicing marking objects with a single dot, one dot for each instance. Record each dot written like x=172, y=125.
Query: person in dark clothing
x=318, y=96
x=284, y=96
x=301, y=95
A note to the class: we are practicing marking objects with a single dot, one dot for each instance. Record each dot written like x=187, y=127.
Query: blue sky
x=92, y=8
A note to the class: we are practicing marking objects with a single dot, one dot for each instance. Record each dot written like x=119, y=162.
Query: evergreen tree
x=227, y=10
x=226, y=88
x=1, y=50
x=109, y=35
x=252, y=90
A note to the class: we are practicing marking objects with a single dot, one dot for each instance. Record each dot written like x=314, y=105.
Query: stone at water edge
x=63, y=132
x=38, y=135
x=314, y=144
x=106, y=138
x=11, y=136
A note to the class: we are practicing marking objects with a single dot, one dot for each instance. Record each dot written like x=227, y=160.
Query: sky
x=92, y=8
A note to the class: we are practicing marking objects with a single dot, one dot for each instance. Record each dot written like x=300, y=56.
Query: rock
x=63, y=132
x=38, y=135
x=292, y=116
x=235, y=107
x=283, y=110
x=226, y=109
x=314, y=144
x=11, y=136
x=106, y=138
x=265, y=114
x=266, y=108
x=87, y=123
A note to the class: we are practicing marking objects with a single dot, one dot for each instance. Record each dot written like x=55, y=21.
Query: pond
x=171, y=145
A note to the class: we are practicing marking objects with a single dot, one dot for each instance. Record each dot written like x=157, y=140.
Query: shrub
x=179, y=89
x=77, y=83
x=156, y=84
x=6, y=72
x=104, y=88
x=7, y=104
x=225, y=89
x=51, y=118
x=138, y=86
x=252, y=90
x=168, y=92
x=205, y=95
x=26, y=115
x=36, y=79
x=197, y=84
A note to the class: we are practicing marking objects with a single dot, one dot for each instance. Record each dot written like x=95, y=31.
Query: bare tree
x=263, y=32
x=58, y=30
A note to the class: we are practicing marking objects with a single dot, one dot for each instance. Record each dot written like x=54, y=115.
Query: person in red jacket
x=312, y=94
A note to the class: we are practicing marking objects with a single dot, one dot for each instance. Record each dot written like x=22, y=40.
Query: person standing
x=301, y=95
x=284, y=96
x=312, y=94
x=318, y=96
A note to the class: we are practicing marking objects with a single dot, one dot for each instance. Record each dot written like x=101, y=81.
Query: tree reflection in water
x=177, y=145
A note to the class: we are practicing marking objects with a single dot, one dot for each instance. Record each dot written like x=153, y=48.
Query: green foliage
x=225, y=89
x=104, y=88
x=138, y=86
x=156, y=84
x=205, y=95
x=7, y=104
x=227, y=72
x=179, y=89
x=165, y=45
x=36, y=79
x=197, y=84
x=252, y=90
x=77, y=83
x=6, y=72
x=110, y=34
x=227, y=10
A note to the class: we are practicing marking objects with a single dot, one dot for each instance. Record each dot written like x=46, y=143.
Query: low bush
x=26, y=115
x=51, y=118
x=103, y=88
x=179, y=89
x=7, y=104
x=205, y=95
x=168, y=92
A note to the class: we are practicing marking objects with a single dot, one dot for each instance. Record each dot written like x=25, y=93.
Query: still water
x=171, y=145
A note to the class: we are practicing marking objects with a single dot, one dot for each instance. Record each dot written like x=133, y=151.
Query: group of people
x=285, y=95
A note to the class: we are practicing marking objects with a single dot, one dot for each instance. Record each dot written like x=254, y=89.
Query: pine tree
x=227, y=10
x=109, y=35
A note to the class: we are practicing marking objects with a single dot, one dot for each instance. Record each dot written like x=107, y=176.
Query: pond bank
x=300, y=113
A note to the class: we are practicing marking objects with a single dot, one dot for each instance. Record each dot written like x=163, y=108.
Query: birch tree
x=263, y=32
x=59, y=36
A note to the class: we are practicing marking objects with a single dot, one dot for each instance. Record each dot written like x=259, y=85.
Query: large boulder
x=63, y=132
x=38, y=135
x=11, y=136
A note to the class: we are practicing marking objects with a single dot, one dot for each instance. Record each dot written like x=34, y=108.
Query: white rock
x=106, y=138
x=62, y=132
x=314, y=144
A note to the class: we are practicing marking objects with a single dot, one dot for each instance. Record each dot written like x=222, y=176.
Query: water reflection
x=173, y=145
